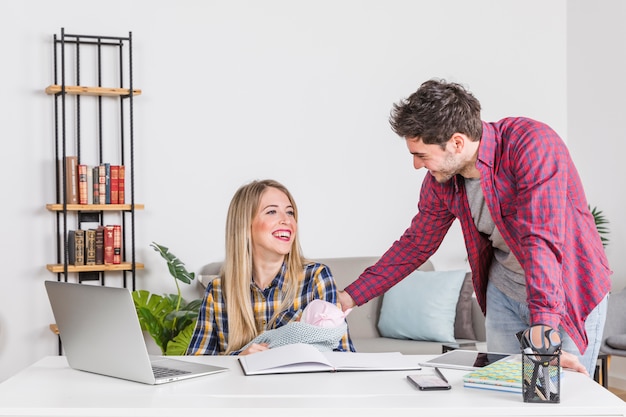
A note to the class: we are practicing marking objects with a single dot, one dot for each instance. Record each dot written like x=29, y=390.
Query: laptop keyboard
x=163, y=372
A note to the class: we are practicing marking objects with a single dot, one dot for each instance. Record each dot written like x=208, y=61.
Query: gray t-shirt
x=505, y=273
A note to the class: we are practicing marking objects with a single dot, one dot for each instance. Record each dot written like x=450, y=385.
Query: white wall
x=596, y=61
x=238, y=90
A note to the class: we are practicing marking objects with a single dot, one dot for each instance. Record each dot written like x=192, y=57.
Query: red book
x=82, y=184
x=117, y=244
x=120, y=186
x=115, y=184
x=108, y=244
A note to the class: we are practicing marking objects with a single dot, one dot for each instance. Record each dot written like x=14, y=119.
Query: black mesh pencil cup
x=541, y=368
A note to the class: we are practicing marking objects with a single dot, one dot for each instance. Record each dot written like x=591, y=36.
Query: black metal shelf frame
x=78, y=42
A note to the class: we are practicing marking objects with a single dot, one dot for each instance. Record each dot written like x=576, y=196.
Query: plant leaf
x=178, y=345
x=175, y=266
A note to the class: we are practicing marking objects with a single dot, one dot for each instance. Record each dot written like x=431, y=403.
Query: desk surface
x=50, y=387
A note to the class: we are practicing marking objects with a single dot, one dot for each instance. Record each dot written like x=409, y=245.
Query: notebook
x=100, y=333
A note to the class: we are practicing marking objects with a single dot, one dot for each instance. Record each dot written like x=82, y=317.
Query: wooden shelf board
x=91, y=91
x=94, y=207
x=124, y=266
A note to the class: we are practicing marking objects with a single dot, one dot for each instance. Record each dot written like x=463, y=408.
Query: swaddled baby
x=324, y=314
x=321, y=324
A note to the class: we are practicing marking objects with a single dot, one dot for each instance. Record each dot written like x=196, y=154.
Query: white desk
x=50, y=387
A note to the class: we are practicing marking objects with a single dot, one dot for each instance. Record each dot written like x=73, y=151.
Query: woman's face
x=273, y=226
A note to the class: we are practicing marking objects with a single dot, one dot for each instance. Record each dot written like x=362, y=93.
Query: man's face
x=442, y=164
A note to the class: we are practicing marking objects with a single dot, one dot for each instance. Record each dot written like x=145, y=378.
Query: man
x=537, y=261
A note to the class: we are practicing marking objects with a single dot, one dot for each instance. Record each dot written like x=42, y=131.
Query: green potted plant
x=601, y=224
x=168, y=318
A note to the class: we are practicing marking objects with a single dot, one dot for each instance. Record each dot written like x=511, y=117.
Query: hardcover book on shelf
x=108, y=244
x=302, y=357
x=102, y=184
x=89, y=185
x=115, y=184
x=83, y=190
x=107, y=183
x=100, y=245
x=90, y=247
x=71, y=180
x=117, y=244
x=78, y=247
x=71, y=247
x=96, y=184
x=121, y=187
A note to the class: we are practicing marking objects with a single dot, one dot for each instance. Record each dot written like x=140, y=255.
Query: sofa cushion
x=422, y=306
x=464, y=322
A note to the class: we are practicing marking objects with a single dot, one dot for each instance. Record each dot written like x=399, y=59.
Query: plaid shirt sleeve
x=416, y=245
x=207, y=335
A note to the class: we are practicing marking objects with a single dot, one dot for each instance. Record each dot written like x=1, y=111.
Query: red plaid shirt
x=537, y=202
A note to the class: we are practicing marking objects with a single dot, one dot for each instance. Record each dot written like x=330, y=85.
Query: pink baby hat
x=324, y=314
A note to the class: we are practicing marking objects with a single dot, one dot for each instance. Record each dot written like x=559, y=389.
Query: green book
x=503, y=375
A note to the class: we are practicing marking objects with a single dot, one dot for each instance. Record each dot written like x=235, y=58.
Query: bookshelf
x=93, y=120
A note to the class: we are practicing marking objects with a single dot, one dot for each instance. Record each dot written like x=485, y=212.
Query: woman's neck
x=265, y=271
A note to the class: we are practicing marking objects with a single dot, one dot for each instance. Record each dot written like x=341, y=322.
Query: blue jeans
x=506, y=317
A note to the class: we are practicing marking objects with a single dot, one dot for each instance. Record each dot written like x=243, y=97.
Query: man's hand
x=345, y=300
x=570, y=361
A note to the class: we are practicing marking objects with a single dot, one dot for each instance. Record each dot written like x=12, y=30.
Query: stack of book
x=97, y=246
x=100, y=184
x=503, y=375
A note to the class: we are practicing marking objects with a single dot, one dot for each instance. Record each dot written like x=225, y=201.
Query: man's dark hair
x=436, y=111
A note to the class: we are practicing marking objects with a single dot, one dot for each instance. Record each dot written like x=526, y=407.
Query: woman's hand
x=254, y=348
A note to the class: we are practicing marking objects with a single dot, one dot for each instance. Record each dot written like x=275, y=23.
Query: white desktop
x=50, y=387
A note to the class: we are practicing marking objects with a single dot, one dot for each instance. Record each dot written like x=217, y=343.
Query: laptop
x=100, y=333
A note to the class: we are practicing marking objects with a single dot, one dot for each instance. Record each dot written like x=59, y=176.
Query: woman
x=265, y=281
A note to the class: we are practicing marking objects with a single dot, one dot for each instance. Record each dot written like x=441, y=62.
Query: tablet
x=465, y=359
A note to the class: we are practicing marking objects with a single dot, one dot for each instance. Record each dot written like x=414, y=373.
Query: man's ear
x=458, y=142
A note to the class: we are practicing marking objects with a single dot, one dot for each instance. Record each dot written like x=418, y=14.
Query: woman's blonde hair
x=237, y=269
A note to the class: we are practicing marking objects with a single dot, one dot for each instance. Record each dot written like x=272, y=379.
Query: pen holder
x=541, y=377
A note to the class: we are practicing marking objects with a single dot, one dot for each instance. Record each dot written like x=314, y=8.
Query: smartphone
x=428, y=382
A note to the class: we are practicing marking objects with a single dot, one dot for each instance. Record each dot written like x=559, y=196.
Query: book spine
x=89, y=185
x=107, y=182
x=121, y=187
x=71, y=247
x=108, y=244
x=100, y=245
x=79, y=247
x=102, y=187
x=115, y=184
x=117, y=244
x=71, y=180
x=90, y=246
x=82, y=184
x=96, y=185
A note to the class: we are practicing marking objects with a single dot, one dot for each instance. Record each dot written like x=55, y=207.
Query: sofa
x=363, y=321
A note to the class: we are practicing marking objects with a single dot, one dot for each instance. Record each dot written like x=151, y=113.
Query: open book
x=301, y=357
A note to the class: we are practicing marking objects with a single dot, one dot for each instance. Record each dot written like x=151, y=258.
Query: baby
x=321, y=324
x=323, y=314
